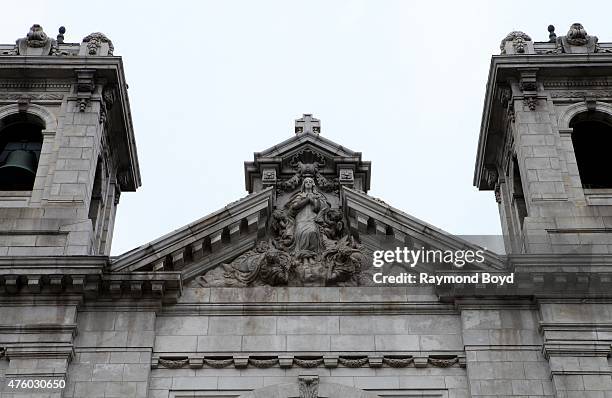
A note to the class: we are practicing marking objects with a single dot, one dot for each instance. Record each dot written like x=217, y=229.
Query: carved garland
x=353, y=362
x=581, y=94
x=443, y=362
x=218, y=363
x=518, y=40
x=39, y=97
x=263, y=363
x=398, y=362
x=173, y=363
x=309, y=362
x=95, y=40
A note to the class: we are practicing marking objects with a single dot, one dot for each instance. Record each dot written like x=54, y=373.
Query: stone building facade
x=273, y=295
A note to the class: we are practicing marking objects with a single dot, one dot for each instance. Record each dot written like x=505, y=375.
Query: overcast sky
x=211, y=82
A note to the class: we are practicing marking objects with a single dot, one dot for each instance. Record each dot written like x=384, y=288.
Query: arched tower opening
x=592, y=141
x=20, y=144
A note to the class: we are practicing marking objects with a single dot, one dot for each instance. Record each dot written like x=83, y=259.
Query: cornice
x=581, y=348
x=30, y=277
x=360, y=208
x=212, y=232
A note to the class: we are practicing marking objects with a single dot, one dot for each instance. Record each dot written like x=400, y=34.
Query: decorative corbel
x=529, y=86
x=85, y=87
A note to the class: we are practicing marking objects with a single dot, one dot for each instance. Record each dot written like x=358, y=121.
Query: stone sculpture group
x=308, y=245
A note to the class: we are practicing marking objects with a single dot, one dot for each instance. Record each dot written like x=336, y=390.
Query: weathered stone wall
x=509, y=348
x=112, y=354
x=293, y=324
x=387, y=341
x=562, y=216
x=504, y=353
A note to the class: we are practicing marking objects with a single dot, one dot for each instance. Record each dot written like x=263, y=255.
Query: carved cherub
x=281, y=226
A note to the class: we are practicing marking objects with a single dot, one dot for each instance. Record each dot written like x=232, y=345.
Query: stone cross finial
x=306, y=124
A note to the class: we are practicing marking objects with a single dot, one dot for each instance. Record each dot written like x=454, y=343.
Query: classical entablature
x=307, y=221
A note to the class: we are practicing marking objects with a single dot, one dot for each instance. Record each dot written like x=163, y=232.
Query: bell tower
x=67, y=148
x=544, y=142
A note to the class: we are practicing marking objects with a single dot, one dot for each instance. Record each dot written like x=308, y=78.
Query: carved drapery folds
x=308, y=245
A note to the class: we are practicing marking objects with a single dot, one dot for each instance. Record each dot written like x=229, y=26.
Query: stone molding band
x=308, y=362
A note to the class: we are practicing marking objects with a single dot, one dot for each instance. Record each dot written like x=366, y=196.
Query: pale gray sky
x=211, y=82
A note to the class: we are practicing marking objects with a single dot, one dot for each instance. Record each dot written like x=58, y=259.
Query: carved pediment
x=301, y=241
x=307, y=222
x=310, y=243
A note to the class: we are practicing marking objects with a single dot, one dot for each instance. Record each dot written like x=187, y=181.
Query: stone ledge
x=375, y=308
x=584, y=348
x=555, y=282
x=65, y=275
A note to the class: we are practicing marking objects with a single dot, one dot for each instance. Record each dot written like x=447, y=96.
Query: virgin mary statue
x=304, y=207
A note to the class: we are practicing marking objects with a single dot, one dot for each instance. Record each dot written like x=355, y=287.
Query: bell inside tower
x=20, y=145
